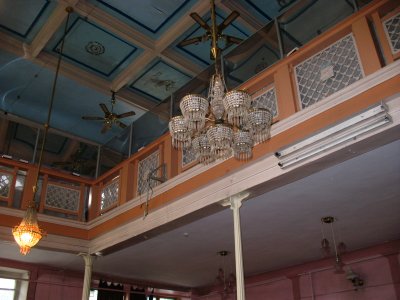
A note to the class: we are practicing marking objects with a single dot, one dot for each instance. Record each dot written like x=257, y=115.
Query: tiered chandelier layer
x=224, y=122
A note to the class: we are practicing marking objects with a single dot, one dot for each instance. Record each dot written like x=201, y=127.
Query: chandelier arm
x=47, y=124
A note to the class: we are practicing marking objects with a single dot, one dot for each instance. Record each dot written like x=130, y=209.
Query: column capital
x=88, y=258
x=235, y=201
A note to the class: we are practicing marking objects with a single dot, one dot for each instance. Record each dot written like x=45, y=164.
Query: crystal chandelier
x=224, y=123
x=28, y=233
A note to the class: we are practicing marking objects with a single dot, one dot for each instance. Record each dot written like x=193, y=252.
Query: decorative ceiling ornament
x=224, y=122
x=339, y=249
x=95, y=48
x=28, y=233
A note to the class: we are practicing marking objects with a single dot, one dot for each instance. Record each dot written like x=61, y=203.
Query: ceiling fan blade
x=228, y=20
x=104, y=108
x=92, y=118
x=105, y=128
x=120, y=124
x=200, y=21
x=232, y=40
x=191, y=41
x=127, y=114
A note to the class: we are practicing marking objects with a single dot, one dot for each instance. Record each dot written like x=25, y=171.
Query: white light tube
x=333, y=136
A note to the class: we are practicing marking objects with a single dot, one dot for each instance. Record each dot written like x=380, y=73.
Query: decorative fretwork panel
x=146, y=166
x=267, y=100
x=392, y=29
x=109, y=194
x=5, y=184
x=188, y=156
x=62, y=197
x=328, y=71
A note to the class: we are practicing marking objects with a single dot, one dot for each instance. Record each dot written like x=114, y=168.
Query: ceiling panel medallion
x=95, y=48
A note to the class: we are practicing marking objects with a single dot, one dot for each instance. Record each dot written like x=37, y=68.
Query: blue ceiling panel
x=94, y=48
x=266, y=10
x=24, y=18
x=150, y=17
x=25, y=90
x=201, y=51
x=160, y=80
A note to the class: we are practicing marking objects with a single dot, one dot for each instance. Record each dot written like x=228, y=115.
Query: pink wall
x=378, y=266
x=58, y=285
x=47, y=283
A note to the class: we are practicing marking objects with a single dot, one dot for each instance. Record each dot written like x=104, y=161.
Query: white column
x=88, y=274
x=235, y=204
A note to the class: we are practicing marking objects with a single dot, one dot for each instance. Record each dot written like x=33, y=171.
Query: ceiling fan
x=110, y=117
x=229, y=40
x=77, y=162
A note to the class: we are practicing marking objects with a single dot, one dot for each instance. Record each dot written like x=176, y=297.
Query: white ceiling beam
x=11, y=45
x=162, y=44
x=177, y=60
x=201, y=7
x=83, y=77
x=114, y=25
x=52, y=24
x=132, y=70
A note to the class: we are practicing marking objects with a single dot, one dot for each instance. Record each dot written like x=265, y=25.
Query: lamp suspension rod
x=214, y=37
x=334, y=240
x=53, y=91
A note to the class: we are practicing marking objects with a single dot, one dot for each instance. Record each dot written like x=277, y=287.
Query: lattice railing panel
x=188, y=156
x=62, y=197
x=145, y=167
x=328, y=71
x=109, y=194
x=392, y=29
x=267, y=100
x=6, y=181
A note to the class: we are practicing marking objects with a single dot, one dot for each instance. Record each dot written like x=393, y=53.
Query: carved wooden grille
x=6, y=180
x=62, y=197
x=392, y=29
x=328, y=71
x=145, y=167
x=267, y=100
x=109, y=194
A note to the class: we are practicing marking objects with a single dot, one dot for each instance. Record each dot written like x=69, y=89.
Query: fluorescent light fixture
x=327, y=139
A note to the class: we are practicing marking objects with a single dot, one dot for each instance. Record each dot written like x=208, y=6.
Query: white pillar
x=235, y=204
x=88, y=274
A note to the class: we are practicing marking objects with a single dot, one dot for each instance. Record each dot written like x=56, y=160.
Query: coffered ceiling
x=130, y=47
